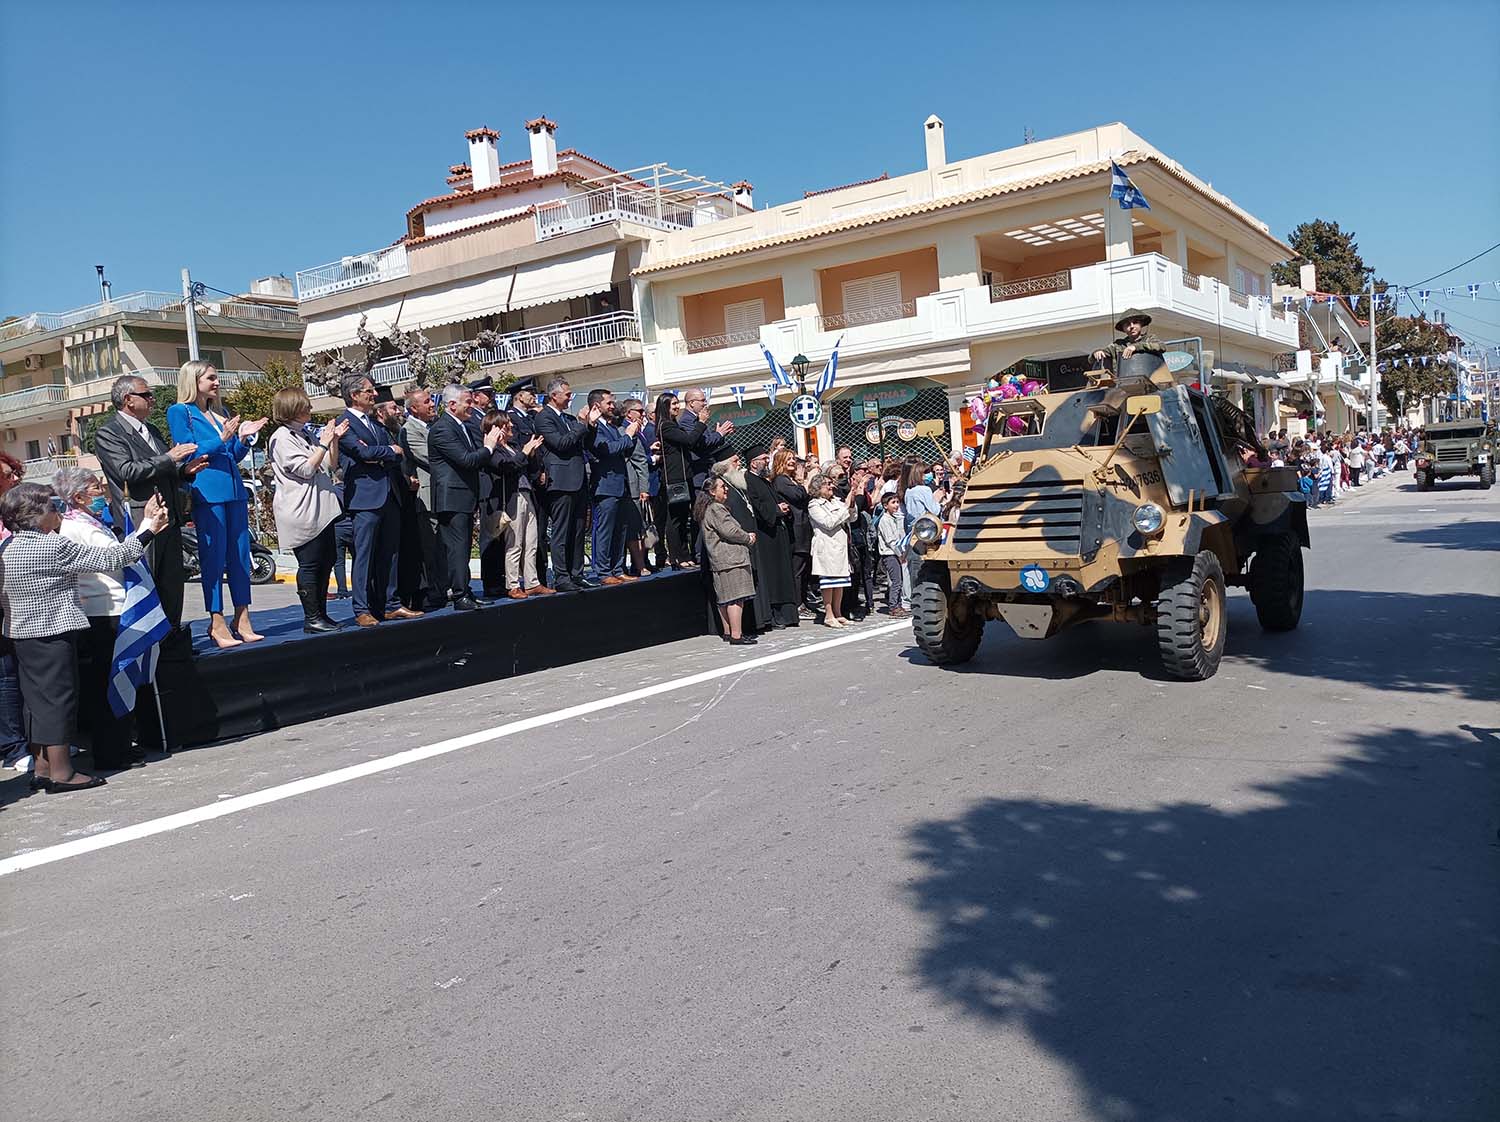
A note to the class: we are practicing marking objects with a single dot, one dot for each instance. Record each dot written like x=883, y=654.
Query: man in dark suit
x=373, y=477
x=137, y=461
x=703, y=442
x=421, y=411
x=458, y=463
x=608, y=448
x=563, y=442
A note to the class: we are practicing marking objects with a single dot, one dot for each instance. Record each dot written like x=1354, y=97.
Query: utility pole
x=188, y=298
x=1374, y=364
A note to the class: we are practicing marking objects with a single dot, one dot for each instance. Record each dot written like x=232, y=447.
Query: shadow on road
x=1482, y=536
x=1442, y=643
x=1330, y=956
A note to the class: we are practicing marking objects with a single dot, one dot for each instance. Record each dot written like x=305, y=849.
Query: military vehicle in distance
x=1126, y=502
x=1453, y=448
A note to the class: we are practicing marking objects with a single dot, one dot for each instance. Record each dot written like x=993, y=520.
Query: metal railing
x=1240, y=298
x=614, y=203
x=878, y=314
x=352, y=272
x=1060, y=281
x=21, y=400
x=1192, y=280
x=534, y=342
x=715, y=342
x=42, y=470
x=55, y=321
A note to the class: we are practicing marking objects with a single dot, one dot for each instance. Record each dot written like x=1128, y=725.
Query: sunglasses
x=140, y=393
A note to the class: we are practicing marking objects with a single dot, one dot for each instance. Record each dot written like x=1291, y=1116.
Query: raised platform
x=210, y=694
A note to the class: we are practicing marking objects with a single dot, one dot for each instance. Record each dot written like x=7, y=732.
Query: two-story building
x=539, y=250
x=57, y=367
x=933, y=281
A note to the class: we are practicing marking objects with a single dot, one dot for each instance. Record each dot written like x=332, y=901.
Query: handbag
x=650, y=536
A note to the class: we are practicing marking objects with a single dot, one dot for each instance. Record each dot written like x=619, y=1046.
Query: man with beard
x=771, y=555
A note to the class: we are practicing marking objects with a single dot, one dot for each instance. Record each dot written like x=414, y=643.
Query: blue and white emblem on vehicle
x=1034, y=578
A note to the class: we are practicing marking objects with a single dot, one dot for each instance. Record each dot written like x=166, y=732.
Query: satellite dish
x=1178, y=360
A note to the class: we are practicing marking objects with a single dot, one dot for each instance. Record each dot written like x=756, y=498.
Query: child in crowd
x=890, y=534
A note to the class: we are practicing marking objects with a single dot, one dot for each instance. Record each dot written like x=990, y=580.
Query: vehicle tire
x=1424, y=481
x=945, y=636
x=1486, y=477
x=1190, y=617
x=1276, y=582
x=262, y=568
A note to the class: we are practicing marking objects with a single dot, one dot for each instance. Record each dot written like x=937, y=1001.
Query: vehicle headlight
x=1149, y=518
x=925, y=532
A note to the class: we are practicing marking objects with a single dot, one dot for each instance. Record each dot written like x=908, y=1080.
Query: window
x=216, y=358
x=65, y=442
x=1247, y=282
x=96, y=358
x=33, y=449
x=864, y=296
x=744, y=320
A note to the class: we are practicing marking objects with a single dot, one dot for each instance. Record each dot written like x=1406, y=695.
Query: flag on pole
x=738, y=393
x=51, y=447
x=783, y=379
x=1126, y=192
x=143, y=624
x=830, y=372
x=771, y=388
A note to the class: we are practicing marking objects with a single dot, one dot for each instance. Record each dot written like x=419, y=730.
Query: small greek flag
x=143, y=624
x=738, y=393
x=51, y=447
x=1121, y=188
x=1354, y=303
x=1449, y=292
x=1424, y=294
x=783, y=379
x=1307, y=303
x=1473, y=292
x=1286, y=302
x=708, y=394
x=830, y=373
x=771, y=388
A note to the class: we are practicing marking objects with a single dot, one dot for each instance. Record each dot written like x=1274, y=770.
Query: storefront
x=892, y=419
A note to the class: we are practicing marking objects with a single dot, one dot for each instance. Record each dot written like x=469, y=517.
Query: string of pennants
x=1392, y=296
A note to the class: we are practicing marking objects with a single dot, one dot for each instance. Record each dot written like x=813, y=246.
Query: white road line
x=238, y=803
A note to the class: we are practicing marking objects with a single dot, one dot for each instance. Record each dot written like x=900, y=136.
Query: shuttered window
x=868, y=293
x=744, y=318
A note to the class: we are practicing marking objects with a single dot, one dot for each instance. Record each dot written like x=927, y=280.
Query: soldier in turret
x=1134, y=339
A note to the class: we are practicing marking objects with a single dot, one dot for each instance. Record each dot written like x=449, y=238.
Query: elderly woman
x=13, y=744
x=101, y=595
x=830, y=545
x=515, y=535
x=39, y=571
x=786, y=482
x=727, y=544
x=306, y=504
x=220, y=504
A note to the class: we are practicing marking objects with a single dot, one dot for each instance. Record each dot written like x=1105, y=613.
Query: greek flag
x=830, y=372
x=783, y=379
x=143, y=625
x=1121, y=188
x=708, y=394
x=1473, y=292
x=738, y=393
x=1424, y=294
x=771, y=388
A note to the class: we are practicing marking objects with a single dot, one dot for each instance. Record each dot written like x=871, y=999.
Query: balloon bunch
x=1006, y=388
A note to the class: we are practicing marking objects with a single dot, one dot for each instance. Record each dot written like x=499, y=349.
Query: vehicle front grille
x=1022, y=514
x=1452, y=455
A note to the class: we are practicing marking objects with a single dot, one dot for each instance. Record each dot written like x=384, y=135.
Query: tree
x=1341, y=269
x=161, y=397
x=251, y=399
x=1404, y=377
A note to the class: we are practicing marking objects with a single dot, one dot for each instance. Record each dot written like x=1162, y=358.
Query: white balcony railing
x=56, y=321
x=353, y=272
x=877, y=314
x=620, y=203
x=43, y=469
x=25, y=401
x=534, y=342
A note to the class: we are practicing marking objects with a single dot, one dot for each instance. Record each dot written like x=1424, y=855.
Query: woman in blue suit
x=220, y=504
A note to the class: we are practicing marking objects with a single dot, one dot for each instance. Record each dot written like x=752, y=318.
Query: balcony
x=555, y=340
x=42, y=470
x=1086, y=297
x=353, y=272
x=880, y=314
x=35, y=401
x=657, y=196
x=39, y=322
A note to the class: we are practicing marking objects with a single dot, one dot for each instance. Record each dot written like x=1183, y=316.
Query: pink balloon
x=1009, y=391
x=1030, y=387
x=1016, y=424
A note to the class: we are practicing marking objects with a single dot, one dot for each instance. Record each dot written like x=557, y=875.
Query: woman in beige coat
x=306, y=503
x=830, y=544
x=727, y=545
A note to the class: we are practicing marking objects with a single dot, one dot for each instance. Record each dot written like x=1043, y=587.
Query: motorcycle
x=262, y=562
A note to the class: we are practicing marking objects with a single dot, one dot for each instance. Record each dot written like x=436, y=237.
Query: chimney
x=1307, y=275
x=937, y=150
x=743, y=194
x=543, y=146
x=484, y=157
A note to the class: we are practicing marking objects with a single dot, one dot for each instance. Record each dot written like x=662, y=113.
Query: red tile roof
x=540, y=123
x=846, y=186
x=476, y=134
x=525, y=180
x=520, y=214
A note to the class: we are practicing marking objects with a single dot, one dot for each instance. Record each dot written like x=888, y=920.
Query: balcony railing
x=534, y=342
x=1060, y=281
x=55, y=321
x=1192, y=280
x=616, y=203
x=42, y=470
x=353, y=272
x=716, y=342
x=867, y=315
x=20, y=401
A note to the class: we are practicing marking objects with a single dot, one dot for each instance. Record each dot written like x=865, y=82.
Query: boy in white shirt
x=890, y=531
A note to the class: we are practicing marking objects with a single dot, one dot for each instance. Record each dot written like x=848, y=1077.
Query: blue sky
x=269, y=137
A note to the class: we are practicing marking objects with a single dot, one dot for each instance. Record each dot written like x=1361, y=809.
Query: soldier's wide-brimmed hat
x=1130, y=314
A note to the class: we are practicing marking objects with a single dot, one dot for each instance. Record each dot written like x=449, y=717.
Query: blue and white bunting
x=771, y=388
x=782, y=378
x=1122, y=189
x=738, y=393
x=830, y=373
x=1287, y=302
x=1473, y=292
x=708, y=394
x=1424, y=294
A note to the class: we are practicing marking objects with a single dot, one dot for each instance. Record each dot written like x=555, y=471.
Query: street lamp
x=799, y=371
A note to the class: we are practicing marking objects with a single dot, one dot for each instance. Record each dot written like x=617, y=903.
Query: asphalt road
x=841, y=885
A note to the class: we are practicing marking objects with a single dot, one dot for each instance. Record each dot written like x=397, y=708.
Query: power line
x=1460, y=265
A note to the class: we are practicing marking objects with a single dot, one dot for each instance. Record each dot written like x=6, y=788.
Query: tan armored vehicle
x=1127, y=502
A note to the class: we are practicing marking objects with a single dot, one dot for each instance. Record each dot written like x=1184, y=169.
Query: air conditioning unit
x=34, y=362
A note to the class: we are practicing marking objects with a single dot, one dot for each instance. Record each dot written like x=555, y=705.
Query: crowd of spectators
x=1329, y=464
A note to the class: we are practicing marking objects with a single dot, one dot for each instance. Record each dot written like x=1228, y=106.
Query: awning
x=578, y=274
x=1285, y=410
x=483, y=296
x=1351, y=401
x=342, y=330
x=1232, y=376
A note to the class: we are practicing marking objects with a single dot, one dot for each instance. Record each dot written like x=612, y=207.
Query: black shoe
x=319, y=626
x=588, y=582
x=89, y=782
x=743, y=641
x=565, y=586
x=465, y=604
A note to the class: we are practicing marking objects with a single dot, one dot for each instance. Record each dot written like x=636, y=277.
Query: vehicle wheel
x=262, y=568
x=1190, y=618
x=1424, y=481
x=1276, y=582
x=945, y=630
x=1486, y=477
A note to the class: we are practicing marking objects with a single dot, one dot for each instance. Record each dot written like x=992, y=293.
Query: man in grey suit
x=421, y=411
x=138, y=462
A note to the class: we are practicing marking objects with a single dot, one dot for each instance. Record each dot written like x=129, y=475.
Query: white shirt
x=140, y=428
x=99, y=594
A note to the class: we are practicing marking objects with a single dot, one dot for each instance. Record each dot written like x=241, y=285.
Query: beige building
x=539, y=250
x=58, y=366
x=940, y=278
